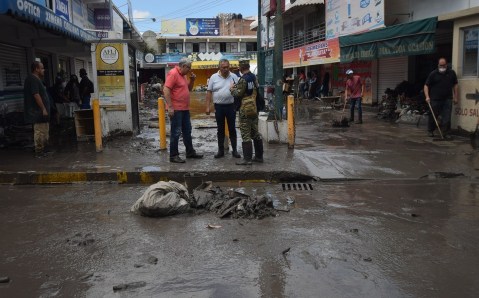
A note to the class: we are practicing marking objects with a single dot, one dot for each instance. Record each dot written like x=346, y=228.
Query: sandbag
x=162, y=199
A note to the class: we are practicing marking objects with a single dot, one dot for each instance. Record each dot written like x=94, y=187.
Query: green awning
x=414, y=38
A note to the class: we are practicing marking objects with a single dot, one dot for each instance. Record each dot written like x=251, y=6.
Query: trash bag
x=162, y=199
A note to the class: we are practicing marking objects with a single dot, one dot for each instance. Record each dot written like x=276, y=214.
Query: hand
x=171, y=112
x=456, y=101
x=44, y=112
x=428, y=99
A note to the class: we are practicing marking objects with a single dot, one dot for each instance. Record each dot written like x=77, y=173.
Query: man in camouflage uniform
x=248, y=125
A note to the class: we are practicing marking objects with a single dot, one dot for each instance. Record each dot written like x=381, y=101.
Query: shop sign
x=39, y=14
x=110, y=74
x=323, y=52
x=13, y=77
x=203, y=27
x=102, y=18
x=62, y=9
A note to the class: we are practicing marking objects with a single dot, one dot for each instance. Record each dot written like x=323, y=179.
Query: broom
x=342, y=121
x=437, y=124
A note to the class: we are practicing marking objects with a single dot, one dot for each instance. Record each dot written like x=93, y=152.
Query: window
x=223, y=47
x=251, y=46
x=471, y=42
x=196, y=47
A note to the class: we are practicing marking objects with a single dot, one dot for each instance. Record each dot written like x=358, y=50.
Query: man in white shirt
x=218, y=89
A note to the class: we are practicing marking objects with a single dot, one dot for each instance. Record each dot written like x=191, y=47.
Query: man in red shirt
x=354, y=91
x=177, y=95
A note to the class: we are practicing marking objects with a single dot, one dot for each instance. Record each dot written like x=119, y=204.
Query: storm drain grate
x=297, y=186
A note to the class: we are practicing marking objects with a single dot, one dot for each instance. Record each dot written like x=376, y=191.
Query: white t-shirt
x=220, y=87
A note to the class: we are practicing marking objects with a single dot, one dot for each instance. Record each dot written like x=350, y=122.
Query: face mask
x=442, y=69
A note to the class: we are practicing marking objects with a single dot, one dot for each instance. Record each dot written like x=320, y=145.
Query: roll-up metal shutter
x=13, y=71
x=392, y=71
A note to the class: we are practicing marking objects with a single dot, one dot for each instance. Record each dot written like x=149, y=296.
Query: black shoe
x=244, y=162
x=236, y=154
x=359, y=122
x=177, y=159
x=430, y=134
x=220, y=154
x=194, y=155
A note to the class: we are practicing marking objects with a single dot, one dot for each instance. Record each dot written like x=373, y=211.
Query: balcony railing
x=311, y=35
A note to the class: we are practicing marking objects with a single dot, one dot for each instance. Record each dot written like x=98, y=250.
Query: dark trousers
x=227, y=111
x=181, y=124
x=85, y=103
x=440, y=108
x=360, y=108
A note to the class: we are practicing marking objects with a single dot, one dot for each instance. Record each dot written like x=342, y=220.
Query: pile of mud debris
x=170, y=198
x=231, y=203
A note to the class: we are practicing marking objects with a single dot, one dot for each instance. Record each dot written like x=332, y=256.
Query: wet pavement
x=373, y=150
x=344, y=239
x=391, y=213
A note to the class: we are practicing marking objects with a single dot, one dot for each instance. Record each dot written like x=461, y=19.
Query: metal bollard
x=291, y=128
x=227, y=136
x=162, y=122
x=97, y=125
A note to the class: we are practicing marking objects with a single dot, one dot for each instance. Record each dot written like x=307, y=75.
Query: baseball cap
x=349, y=71
x=243, y=62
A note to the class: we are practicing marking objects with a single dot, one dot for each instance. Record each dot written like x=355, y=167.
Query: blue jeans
x=85, y=102
x=221, y=112
x=181, y=124
x=360, y=108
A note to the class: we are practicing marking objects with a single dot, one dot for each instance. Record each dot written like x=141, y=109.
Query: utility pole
x=278, y=60
x=260, y=53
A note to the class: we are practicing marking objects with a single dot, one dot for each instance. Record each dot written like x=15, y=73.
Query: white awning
x=301, y=2
x=254, y=25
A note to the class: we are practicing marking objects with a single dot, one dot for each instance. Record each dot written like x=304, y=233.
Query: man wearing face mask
x=440, y=90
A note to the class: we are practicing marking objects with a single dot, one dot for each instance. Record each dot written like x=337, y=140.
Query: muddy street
x=350, y=239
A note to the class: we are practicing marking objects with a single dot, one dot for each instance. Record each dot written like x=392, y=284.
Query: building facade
x=65, y=35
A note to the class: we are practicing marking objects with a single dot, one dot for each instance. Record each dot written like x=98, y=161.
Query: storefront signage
x=102, y=18
x=62, y=9
x=38, y=14
x=110, y=74
x=204, y=56
x=203, y=27
x=414, y=38
x=344, y=17
x=317, y=53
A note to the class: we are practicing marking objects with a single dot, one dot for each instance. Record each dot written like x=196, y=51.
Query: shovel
x=437, y=124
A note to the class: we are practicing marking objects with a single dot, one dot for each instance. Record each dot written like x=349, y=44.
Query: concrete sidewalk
x=373, y=150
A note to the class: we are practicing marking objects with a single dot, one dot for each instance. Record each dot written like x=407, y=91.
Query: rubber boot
x=233, y=146
x=247, y=154
x=221, y=149
x=258, y=150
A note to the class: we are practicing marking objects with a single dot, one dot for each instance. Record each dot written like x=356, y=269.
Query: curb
x=123, y=177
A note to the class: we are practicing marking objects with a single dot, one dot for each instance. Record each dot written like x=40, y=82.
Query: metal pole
x=162, y=122
x=291, y=127
x=97, y=125
x=260, y=52
x=278, y=59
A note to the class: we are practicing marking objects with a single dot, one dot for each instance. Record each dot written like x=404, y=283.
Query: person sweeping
x=440, y=90
x=354, y=91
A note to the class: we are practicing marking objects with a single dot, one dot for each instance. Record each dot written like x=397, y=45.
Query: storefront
x=32, y=32
x=465, y=115
x=389, y=50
